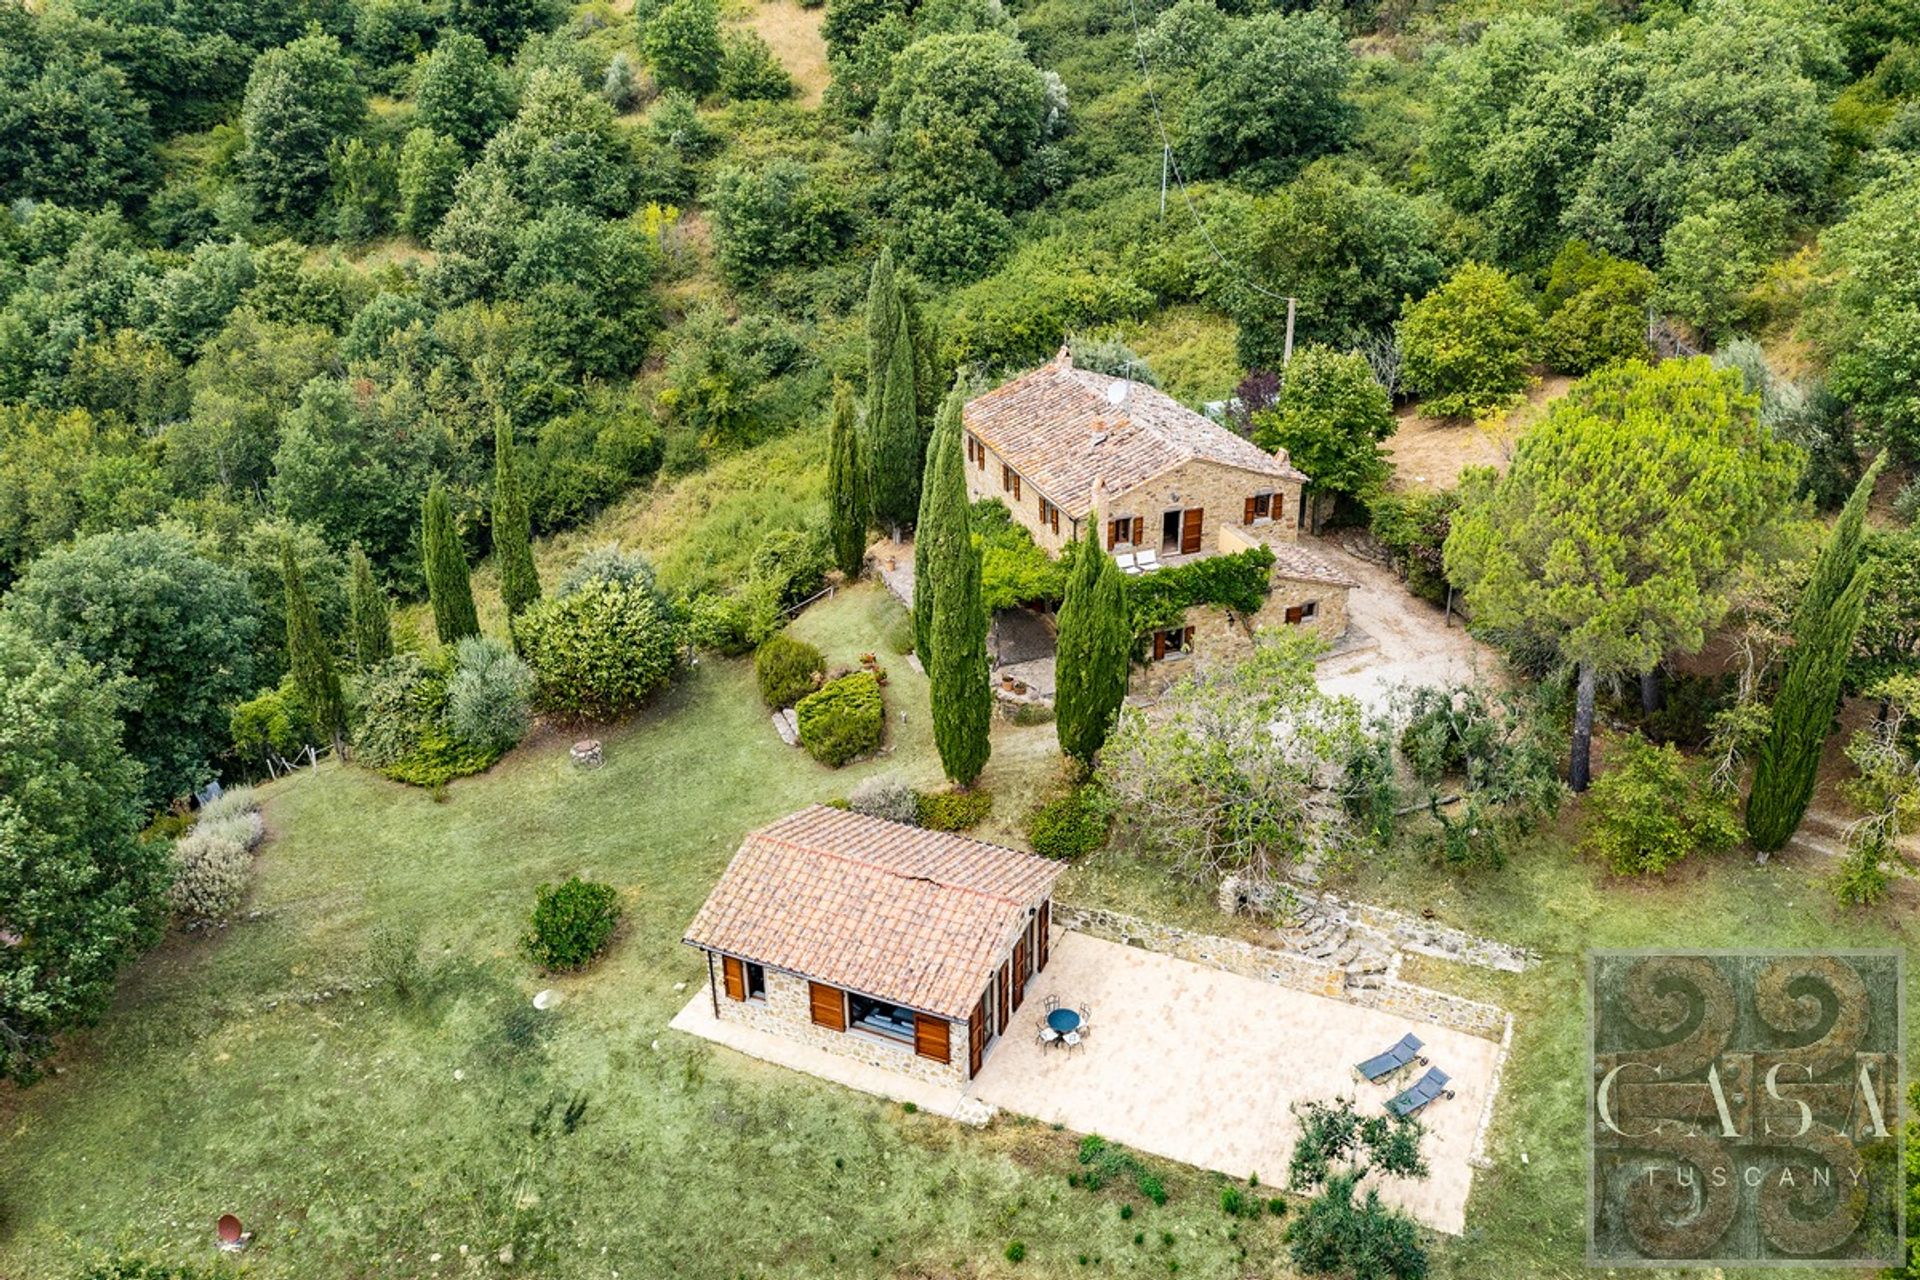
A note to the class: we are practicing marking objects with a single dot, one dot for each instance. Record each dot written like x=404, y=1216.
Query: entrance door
x=1170, y=533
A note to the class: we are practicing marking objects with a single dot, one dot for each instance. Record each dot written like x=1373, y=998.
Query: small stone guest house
x=905, y=948
x=1162, y=485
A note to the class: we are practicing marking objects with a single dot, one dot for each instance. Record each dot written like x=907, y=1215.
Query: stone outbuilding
x=905, y=948
x=1163, y=485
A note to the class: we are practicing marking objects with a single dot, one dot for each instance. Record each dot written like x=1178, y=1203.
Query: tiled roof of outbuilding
x=914, y=917
x=1057, y=427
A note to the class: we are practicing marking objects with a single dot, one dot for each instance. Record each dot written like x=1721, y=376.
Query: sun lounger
x=1125, y=560
x=1147, y=561
x=1382, y=1065
x=1424, y=1090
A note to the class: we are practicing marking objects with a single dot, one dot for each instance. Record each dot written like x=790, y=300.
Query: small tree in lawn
x=1824, y=628
x=449, y=588
x=1336, y=1150
x=957, y=675
x=894, y=446
x=370, y=617
x=1627, y=513
x=1465, y=347
x=1887, y=792
x=512, y=525
x=309, y=659
x=1094, y=652
x=1330, y=416
x=847, y=506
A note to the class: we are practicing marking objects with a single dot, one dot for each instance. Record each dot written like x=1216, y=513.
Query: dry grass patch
x=793, y=32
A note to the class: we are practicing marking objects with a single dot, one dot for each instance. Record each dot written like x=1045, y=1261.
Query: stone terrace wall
x=1299, y=972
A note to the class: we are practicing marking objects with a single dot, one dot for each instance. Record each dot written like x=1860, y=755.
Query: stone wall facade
x=1301, y=973
x=1223, y=635
x=787, y=1011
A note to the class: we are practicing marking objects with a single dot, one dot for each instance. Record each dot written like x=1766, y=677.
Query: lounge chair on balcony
x=1424, y=1090
x=1382, y=1065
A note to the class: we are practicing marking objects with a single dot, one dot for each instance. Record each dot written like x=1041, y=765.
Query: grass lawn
x=362, y=1133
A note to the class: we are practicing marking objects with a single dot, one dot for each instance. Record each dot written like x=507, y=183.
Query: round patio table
x=1064, y=1020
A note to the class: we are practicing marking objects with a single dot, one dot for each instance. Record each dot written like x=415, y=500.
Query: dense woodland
x=307, y=306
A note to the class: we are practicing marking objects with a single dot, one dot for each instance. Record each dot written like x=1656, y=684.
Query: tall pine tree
x=512, y=525
x=308, y=658
x=1823, y=631
x=1095, y=648
x=370, y=621
x=925, y=587
x=448, y=586
x=957, y=674
x=847, y=507
x=894, y=444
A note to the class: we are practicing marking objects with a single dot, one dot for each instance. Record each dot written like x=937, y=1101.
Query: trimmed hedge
x=954, y=810
x=787, y=669
x=1070, y=825
x=843, y=720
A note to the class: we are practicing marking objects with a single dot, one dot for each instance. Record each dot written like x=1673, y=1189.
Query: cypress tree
x=846, y=486
x=448, y=587
x=1823, y=631
x=925, y=588
x=1095, y=648
x=957, y=676
x=370, y=622
x=512, y=525
x=308, y=658
x=895, y=446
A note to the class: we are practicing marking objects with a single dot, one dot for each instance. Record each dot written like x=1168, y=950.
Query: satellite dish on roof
x=1117, y=393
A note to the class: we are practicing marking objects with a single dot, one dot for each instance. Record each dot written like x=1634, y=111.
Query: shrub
x=403, y=731
x=599, y=651
x=732, y=624
x=211, y=863
x=749, y=70
x=791, y=564
x=886, y=796
x=393, y=958
x=487, y=695
x=228, y=804
x=274, y=721
x=954, y=810
x=571, y=923
x=1465, y=346
x=1906, y=503
x=842, y=720
x=1016, y=1251
x=1070, y=825
x=608, y=563
x=1234, y=1202
x=788, y=669
x=1032, y=713
x=1650, y=809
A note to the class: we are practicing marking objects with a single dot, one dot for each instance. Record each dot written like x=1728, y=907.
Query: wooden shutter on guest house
x=1040, y=934
x=1006, y=1009
x=977, y=1036
x=828, y=1006
x=1248, y=517
x=1190, y=530
x=1020, y=971
x=735, y=976
x=931, y=1038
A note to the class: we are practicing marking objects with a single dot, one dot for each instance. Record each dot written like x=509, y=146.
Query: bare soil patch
x=1429, y=453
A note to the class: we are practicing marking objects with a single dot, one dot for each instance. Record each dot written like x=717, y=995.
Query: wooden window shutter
x=1016, y=486
x=932, y=1038
x=1248, y=518
x=1006, y=1011
x=976, y=1036
x=1159, y=645
x=1139, y=529
x=1188, y=646
x=735, y=975
x=1055, y=513
x=1190, y=530
x=1019, y=972
x=1279, y=506
x=1294, y=614
x=828, y=1006
x=1046, y=921
x=1113, y=533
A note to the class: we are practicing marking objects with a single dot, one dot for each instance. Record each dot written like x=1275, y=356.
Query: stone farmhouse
x=904, y=948
x=1064, y=447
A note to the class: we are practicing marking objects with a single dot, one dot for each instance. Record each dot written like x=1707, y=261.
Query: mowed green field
x=359, y=1133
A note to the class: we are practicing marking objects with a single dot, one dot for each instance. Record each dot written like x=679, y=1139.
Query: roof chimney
x=1063, y=359
x=1096, y=499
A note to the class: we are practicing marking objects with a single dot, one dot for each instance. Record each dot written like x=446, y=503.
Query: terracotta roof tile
x=913, y=917
x=1058, y=428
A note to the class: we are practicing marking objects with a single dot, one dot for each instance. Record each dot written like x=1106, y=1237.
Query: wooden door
x=977, y=1035
x=1190, y=530
x=1040, y=943
x=932, y=1037
x=734, y=974
x=1006, y=1009
x=1019, y=972
x=828, y=1005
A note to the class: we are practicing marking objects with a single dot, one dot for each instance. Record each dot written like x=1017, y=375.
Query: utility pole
x=1166, y=164
x=1286, y=357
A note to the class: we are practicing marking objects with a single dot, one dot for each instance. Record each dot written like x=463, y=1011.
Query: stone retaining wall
x=1411, y=933
x=1284, y=969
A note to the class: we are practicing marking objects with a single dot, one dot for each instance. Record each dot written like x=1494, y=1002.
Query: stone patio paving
x=1199, y=1065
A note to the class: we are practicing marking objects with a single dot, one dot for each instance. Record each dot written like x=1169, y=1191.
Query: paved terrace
x=1189, y=1062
